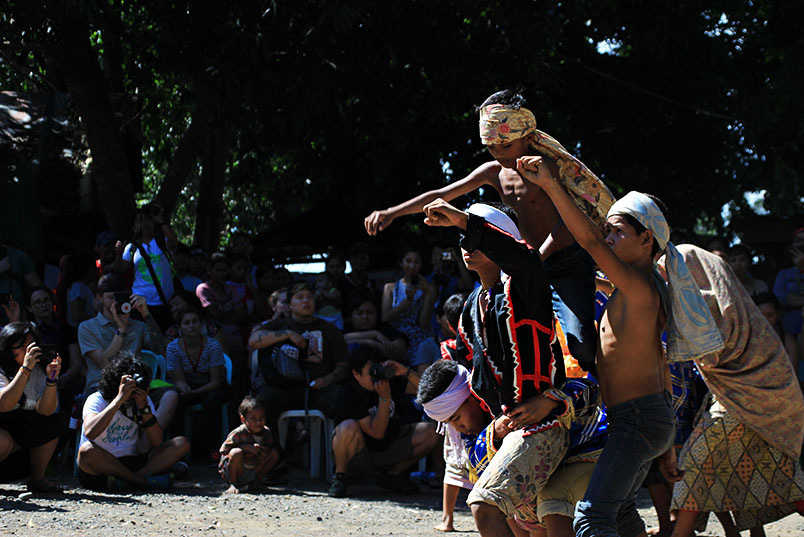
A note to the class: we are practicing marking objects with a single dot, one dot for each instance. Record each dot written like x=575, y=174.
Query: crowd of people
x=488, y=357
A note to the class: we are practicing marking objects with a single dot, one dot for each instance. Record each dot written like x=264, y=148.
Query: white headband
x=441, y=408
x=495, y=217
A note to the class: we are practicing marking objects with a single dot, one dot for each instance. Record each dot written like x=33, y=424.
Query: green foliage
x=362, y=103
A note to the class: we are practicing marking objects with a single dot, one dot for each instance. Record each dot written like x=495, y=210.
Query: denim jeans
x=639, y=431
x=571, y=274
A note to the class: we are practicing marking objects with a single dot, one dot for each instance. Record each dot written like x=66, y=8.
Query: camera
x=446, y=256
x=140, y=381
x=121, y=302
x=379, y=371
x=48, y=353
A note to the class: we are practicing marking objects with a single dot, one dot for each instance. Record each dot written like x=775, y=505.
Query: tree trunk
x=89, y=93
x=186, y=154
x=210, y=193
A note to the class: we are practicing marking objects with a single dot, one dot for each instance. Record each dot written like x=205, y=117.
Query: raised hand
x=377, y=221
x=440, y=213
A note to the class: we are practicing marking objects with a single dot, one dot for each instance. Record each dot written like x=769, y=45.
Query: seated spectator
x=64, y=339
x=148, y=255
x=196, y=367
x=407, y=304
x=181, y=301
x=114, y=418
x=740, y=257
x=16, y=271
x=222, y=303
x=363, y=329
x=279, y=302
x=369, y=437
x=106, y=250
x=76, y=299
x=248, y=453
x=358, y=280
x=328, y=300
x=28, y=402
x=265, y=274
x=719, y=246
x=197, y=265
x=302, y=359
x=240, y=279
x=771, y=309
x=181, y=260
x=448, y=316
x=790, y=292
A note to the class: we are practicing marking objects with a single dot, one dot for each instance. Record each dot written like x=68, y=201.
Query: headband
x=441, y=408
x=495, y=217
x=501, y=124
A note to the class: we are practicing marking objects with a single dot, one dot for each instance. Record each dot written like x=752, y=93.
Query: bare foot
x=444, y=527
x=657, y=532
x=233, y=490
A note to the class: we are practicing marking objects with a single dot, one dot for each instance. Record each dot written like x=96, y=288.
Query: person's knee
x=87, y=453
x=346, y=432
x=236, y=455
x=6, y=444
x=484, y=513
x=180, y=444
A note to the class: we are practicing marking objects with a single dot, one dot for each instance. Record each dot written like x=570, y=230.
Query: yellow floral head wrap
x=500, y=124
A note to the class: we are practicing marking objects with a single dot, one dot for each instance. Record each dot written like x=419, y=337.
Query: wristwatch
x=145, y=411
x=120, y=333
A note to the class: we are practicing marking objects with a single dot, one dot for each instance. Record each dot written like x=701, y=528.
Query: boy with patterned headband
x=509, y=131
x=631, y=369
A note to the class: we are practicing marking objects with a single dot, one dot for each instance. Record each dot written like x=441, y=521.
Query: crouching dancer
x=631, y=368
x=506, y=331
x=445, y=394
x=114, y=419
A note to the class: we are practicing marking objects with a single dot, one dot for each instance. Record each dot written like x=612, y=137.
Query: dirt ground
x=197, y=506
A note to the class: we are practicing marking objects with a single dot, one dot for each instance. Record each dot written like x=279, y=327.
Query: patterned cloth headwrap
x=495, y=217
x=691, y=329
x=445, y=405
x=502, y=124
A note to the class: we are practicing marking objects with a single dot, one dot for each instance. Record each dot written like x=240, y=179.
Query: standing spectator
x=28, y=401
x=17, y=272
x=789, y=289
x=114, y=419
x=195, y=365
x=148, y=254
x=181, y=261
x=358, y=280
x=266, y=285
x=197, y=265
x=64, y=338
x=76, y=300
x=106, y=249
x=240, y=280
x=407, y=304
x=740, y=257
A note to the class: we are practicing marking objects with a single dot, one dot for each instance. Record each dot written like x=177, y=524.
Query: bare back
x=630, y=363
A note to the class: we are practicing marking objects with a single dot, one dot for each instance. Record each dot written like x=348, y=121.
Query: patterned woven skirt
x=731, y=468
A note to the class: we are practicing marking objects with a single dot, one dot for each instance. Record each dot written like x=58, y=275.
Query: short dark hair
x=112, y=283
x=640, y=229
x=453, y=307
x=766, y=297
x=39, y=288
x=122, y=363
x=359, y=357
x=249, y=403
x=435, y=380
x=298, y=286
x=508, y=97
x=741, y=249
x=218, y=257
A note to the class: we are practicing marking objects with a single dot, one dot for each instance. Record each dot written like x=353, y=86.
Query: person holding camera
x=115, y=417
x=28, y=402
x=147, y=253
x=113, y=330
x=370, y=436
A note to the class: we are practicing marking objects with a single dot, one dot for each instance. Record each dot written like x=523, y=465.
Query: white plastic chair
x=317, y=419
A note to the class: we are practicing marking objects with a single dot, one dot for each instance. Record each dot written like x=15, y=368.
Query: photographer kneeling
x=369, y=437
x=114, y=418
x=28, y=401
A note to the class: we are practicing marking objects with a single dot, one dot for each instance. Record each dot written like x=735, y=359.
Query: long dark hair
x=12, y=335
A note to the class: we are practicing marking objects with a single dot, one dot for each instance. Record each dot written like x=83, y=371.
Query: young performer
x=631, y=369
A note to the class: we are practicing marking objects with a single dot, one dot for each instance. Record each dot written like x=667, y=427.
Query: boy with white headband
x=508, y=130
x=631, y=369
x=446, y=397
x=506, y=334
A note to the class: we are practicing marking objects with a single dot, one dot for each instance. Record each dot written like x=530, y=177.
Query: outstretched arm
x=483, y=174
x=586, y=233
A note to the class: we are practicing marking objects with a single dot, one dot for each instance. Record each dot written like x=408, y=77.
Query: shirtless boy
x=508, y=129
x=631, y=369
